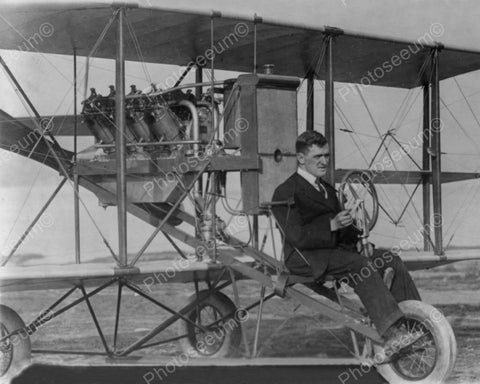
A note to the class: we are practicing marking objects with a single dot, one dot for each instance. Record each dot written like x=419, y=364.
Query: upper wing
x=181, y=37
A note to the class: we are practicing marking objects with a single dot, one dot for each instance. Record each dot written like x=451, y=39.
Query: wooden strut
x=330, y=107
x=426, y=168
x=436, y=127
x=121, y=150
x=76, y=186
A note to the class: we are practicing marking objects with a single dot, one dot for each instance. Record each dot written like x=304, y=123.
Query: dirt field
x=288, y=330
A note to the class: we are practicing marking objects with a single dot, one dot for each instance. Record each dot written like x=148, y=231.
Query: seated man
x=320, y=239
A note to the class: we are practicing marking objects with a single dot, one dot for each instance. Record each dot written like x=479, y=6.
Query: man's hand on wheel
x=341, y=220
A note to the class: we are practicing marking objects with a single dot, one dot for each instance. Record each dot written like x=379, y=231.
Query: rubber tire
x=233, y=335
x=444, y=340
x=21, y=343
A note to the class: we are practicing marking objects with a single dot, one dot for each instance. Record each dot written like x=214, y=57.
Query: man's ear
x=301, y=158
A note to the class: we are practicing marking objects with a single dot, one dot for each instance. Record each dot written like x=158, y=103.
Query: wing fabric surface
x=174, y=37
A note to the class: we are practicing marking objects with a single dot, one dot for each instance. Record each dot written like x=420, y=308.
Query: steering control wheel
x=358, y=195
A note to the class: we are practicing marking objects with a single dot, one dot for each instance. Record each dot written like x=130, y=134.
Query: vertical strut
x=120, y=142
x=198, y=96
x=198, y=80
x=329, y=108
x=117, y=314
x=310, y=101
x=255, y=231
x=436, y=160
x=76, y=198
x=426, y=167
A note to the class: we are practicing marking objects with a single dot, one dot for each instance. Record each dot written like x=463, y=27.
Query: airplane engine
x=135, y=109
x=94, y=119
x=157, y=127
x=98, y=113
x=163, y=120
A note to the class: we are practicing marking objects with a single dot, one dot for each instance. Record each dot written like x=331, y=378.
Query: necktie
x=321, y=187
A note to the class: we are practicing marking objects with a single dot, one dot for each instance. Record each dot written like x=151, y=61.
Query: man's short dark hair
x=309, y=138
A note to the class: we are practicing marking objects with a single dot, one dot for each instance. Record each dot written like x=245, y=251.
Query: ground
x=288, y=330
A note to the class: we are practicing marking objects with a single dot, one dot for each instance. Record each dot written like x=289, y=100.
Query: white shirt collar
x=312, y=180
x=307, y=176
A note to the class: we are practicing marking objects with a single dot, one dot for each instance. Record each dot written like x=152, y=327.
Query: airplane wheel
x=431, y=359
x=14, y=351
x=222, y=338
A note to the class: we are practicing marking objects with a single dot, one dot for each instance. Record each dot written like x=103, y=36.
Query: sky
x=25, y=186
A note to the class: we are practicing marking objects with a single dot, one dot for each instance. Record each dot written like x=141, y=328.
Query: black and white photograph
x=241, y=192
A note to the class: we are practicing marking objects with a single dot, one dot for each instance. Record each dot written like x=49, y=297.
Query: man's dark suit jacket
x=305, y=223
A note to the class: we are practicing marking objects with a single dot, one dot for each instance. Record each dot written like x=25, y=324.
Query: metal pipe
x=199, y=185
x=196, y=128
x=329, y=108
x=198, y=96
x=426, y=167
x=155, y=144
x=121, y=151
x=435, y=126
x=310, y=101
x=195, y=85
x=76, y=188
x=213, y=213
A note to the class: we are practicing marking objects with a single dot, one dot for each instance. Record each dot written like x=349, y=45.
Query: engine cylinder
x=164, y=123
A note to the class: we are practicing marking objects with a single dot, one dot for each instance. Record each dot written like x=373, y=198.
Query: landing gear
x=431, y=359
x=221, y=336
x=15, y=350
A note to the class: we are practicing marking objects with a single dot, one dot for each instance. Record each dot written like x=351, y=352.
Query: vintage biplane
x=165, y=155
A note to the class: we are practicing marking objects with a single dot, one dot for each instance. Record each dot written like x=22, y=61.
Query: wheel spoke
x=420, y=361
